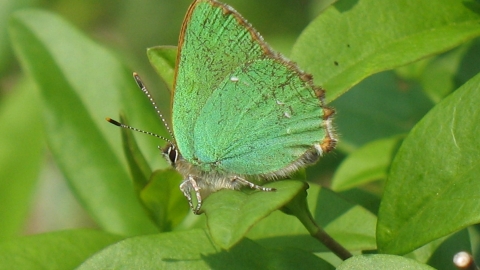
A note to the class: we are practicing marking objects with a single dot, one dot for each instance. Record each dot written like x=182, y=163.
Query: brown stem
x=331, y=244
x=299, y=208
x=321, y=235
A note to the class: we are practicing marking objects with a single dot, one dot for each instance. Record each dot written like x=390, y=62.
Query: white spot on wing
x=234, y=79
x=287, y=115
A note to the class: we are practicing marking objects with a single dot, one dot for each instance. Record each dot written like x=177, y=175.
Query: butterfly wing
x=213, y=42
x=264, y=116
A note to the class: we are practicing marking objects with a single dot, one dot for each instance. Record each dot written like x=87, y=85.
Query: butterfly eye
x=172, y=154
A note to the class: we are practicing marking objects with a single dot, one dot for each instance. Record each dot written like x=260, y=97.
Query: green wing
x=214, y=41
x=262, y=117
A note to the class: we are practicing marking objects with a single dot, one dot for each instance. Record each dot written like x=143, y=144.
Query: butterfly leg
x=245, y=182
x=186, y=187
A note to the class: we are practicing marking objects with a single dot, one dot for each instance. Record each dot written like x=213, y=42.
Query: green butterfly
x=240, y=109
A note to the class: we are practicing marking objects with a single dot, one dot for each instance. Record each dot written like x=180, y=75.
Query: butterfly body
x=240, y=110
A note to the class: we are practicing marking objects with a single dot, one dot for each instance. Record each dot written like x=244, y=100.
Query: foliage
x=403, y=76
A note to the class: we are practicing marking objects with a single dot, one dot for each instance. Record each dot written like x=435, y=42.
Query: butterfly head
x=171, y=154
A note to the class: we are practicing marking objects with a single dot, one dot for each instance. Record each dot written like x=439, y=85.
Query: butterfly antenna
x=142, y=86
x=116, y=123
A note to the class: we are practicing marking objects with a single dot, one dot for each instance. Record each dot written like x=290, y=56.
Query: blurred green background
x=128, y=28
x=383, y=105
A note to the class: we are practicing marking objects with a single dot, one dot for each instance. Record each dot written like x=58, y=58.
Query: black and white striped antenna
x=144, y=89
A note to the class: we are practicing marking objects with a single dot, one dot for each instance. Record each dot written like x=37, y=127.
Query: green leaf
x=7, y=8
x=451, y=70
x=349, y=224
x=469, y=66
x=231, y=214
x=139, y=168
x=163, y=198
x=444, y=254
x=434, y=176
x=57, y=250
x=381, y=261
x=381, y=106
x=439, y=253
x=194, y=250
x=424, y=253
x=369, y=199
x=163, y=60
x=369, y=163
x=21, y=155
x=356, y=38
x=413, y=71
x=80, y=84
x=440, y=75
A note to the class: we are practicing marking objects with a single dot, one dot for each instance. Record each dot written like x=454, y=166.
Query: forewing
x=264, y=116
x=214, y=41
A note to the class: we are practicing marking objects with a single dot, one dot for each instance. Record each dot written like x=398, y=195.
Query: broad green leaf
x=56, y=250
x=80, y=84
x=381, y=261
x=369, y=199
x=163, y=60
x=163, y=198
x=469, y=66
x=442, y=74
x=349, y=224
x=413, y=71
x=231, y=214
x=443, y=255
x=21, y=155
x=439, y=253
x=434, y=176
x=424, y=253
x=381, y=106
x=369, y=163
x=194, y=250
x=474, y=233
x=355, y=38
x=439, y=78
x=7, y=7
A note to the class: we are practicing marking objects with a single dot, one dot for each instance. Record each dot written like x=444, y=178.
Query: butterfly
x=240, y=110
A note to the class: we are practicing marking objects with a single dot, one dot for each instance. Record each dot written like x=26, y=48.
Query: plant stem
x=321, y=235
x=331, y=244
x=299, y=208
